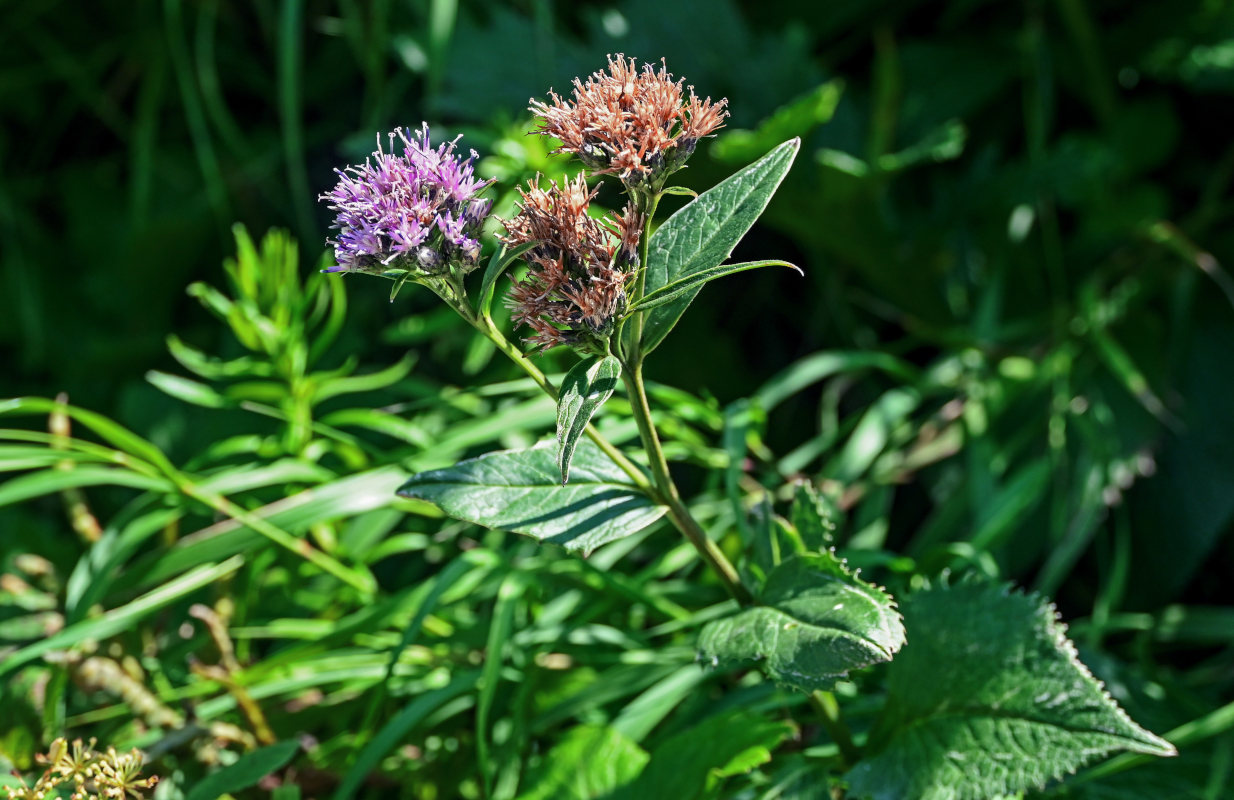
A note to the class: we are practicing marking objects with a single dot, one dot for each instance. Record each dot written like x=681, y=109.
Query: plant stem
x=829, y=712
x=486, y=327
x=710, y=552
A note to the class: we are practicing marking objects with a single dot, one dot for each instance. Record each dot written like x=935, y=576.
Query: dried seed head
x=637, y=124
x=574, y=290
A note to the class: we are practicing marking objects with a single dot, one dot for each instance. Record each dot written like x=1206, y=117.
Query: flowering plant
x=612, y=288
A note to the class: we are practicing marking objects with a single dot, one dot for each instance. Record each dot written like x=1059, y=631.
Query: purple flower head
x=416, y=211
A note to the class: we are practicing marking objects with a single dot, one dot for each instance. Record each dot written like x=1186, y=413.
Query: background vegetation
x=1010, y=355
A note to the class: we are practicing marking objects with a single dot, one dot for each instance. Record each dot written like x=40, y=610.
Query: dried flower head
x=417, y=211
x=638, y=124
x=575, y=288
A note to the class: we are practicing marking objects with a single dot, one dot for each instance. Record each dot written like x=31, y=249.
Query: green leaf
x=703, y=233
x=690, y=284
x=689, y=764
x=521, y=491
x=247, y=771
x=585, y=388
x=815, y=621
x=989, y=699
x=396, y=730
x=590, y=761
x=121, y=619
x=498, y=264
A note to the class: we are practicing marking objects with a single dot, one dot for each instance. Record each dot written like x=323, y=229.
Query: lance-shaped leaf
x=988, y=699
x=690, y=284
x=521, y=491
x=499, y=263
x=815, y=621
x=584, y=390
x=703, y=233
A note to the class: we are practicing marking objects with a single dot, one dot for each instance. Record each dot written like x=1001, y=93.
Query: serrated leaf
x=813, y=516
x=690, y=284
x=703, y=233
x=520, y=491
x=585, y=388
x=989, y=698
x=815, y=622
x=590, y=761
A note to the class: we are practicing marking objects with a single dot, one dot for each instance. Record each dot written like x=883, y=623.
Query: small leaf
x=815, y=621
x=989, y=699
x=703, y=233
x=680, y=190
x=498, y=264
x=521, y=491
x=398, y=285
x=690, y=284
x=585, y=388
x=247, y=771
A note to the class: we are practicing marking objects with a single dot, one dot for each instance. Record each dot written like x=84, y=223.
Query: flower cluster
x=91, y=774
x=417, y=211
x=575, y=288
x=638, y=124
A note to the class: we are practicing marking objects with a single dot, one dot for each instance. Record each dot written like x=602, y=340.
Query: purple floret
x=417, y=210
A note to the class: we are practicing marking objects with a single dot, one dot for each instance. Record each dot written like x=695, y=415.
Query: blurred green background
x=1015, y=220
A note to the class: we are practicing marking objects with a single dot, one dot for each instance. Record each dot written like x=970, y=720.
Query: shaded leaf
x=520, y=491
x=989, y=699
x=247, y=771
x=590, y=761
x=815, y=621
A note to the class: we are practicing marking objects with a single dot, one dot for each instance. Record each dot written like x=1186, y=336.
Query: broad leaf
x=703, y=233
x=690, y=284
x=988, y=699
x=815, y=621
x=521, y=491
x=589, y=762
x=584, y=390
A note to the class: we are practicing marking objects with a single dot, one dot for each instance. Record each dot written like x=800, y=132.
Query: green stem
x=710, y=552
x=486, y=327
x=833, y=721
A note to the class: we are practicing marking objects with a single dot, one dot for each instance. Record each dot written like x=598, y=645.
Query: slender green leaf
x=508, y=594
x=396, y=730
x=121, y=619
x=521, y=491
x=585, y=388
x=690, y=284
x=248, y=770
x=499, y=263
x=814, y=622
x=703, y=233
x=49, y=481
x=989, y=699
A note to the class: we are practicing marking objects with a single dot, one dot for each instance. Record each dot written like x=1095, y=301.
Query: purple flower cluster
x=417, y=211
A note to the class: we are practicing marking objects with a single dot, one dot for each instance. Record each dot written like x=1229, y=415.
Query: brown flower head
x=638, y=124
x=575, y=285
